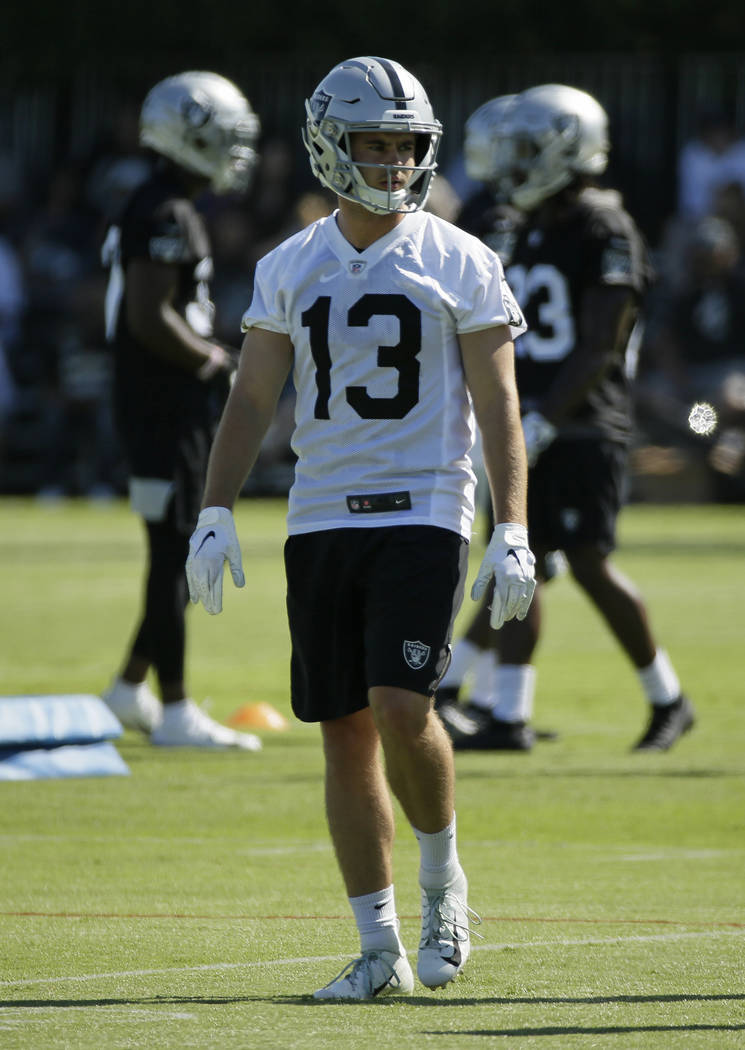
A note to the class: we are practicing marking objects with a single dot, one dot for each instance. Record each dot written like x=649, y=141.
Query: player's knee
x=588, y=568
x=399, y=713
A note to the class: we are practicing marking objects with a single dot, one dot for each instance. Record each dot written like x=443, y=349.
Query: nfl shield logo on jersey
x=416, y=654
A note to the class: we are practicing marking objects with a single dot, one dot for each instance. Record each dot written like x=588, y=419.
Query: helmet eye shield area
x=332, y=151
x=537, y=158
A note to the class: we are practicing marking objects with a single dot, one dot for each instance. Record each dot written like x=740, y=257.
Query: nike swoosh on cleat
x=210, y=536
x=455, y=958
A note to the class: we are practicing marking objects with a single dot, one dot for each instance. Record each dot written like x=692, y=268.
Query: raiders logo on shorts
x=416, y=654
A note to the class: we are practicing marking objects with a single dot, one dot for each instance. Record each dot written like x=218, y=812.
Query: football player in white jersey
x=398, y=328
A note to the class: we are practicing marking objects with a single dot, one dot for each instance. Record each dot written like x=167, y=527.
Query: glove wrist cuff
x=215, y=516
x=511, y=533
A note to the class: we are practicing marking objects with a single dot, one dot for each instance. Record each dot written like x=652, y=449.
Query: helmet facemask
x=553, y=135
x=330, y=121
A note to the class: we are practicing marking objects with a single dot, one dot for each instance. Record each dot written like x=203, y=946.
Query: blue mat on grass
x=43, y=736
x=66, y=760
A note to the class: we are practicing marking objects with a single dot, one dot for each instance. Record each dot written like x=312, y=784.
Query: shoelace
x=353, y=971
x=435, y=921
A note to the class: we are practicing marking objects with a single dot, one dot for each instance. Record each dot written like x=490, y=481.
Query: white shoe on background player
x=136, y=706
x=185, y=724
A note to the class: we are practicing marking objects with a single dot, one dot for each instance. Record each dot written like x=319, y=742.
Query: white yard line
x=312, y=959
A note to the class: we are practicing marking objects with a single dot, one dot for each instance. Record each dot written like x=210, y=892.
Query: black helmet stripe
x=397, y=88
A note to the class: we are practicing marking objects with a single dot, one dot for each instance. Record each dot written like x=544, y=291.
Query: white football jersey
x=383, y=421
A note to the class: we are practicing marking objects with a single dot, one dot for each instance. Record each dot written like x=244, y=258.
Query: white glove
x=538, y=433
x=213, y=542
x=509, y=560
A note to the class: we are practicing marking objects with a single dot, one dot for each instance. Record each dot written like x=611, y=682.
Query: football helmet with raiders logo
x=364, y=94
x=481, y=142
x=203, y=123
x=549, y=136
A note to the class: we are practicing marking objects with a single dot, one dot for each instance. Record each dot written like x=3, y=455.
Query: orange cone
x=259, y=716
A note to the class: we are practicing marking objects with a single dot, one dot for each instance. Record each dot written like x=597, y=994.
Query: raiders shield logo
x=416, y=654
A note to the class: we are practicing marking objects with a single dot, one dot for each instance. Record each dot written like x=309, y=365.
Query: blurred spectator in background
x=697, y=353
x=13, y=308
x=729, y=204
x=714, y=157
x=12, y=296
x=65, y=360
x=711, y=180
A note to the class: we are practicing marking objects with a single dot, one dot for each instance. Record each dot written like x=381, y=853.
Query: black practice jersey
x=158, y=401
x=492, y=221
x=595, y=243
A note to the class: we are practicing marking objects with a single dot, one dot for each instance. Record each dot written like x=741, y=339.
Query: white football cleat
x=136, y=706
x=373, y=974
x=446, y=935
x=185, y=724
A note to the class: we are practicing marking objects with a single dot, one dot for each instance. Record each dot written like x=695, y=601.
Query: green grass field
x=196, y=903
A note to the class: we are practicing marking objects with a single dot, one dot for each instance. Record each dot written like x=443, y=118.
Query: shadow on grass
x=586, y=1030
x=605, y=774
x=401, y=1000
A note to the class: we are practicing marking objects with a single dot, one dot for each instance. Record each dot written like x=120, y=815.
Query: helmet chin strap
x=382, y=202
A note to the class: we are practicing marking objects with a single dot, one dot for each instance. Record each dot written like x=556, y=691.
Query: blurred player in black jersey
x=579, y=269
x=171, y=376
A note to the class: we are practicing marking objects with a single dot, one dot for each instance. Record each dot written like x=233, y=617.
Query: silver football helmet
x=361, y=94
x=550, y=135
x=481, y=143
x=203, y=123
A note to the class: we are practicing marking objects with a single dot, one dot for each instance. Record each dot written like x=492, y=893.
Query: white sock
x=514, y=693
x=485, y=680
x=659, y=681
x=377, y=922
x=462, y=662
x=438, y=854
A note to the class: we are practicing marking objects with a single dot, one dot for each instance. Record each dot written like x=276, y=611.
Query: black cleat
x=463, y=719
x=666, y=724
x=498, y=736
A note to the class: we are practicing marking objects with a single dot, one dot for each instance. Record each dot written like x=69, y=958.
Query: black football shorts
x=575, y=491
x=370, y=607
